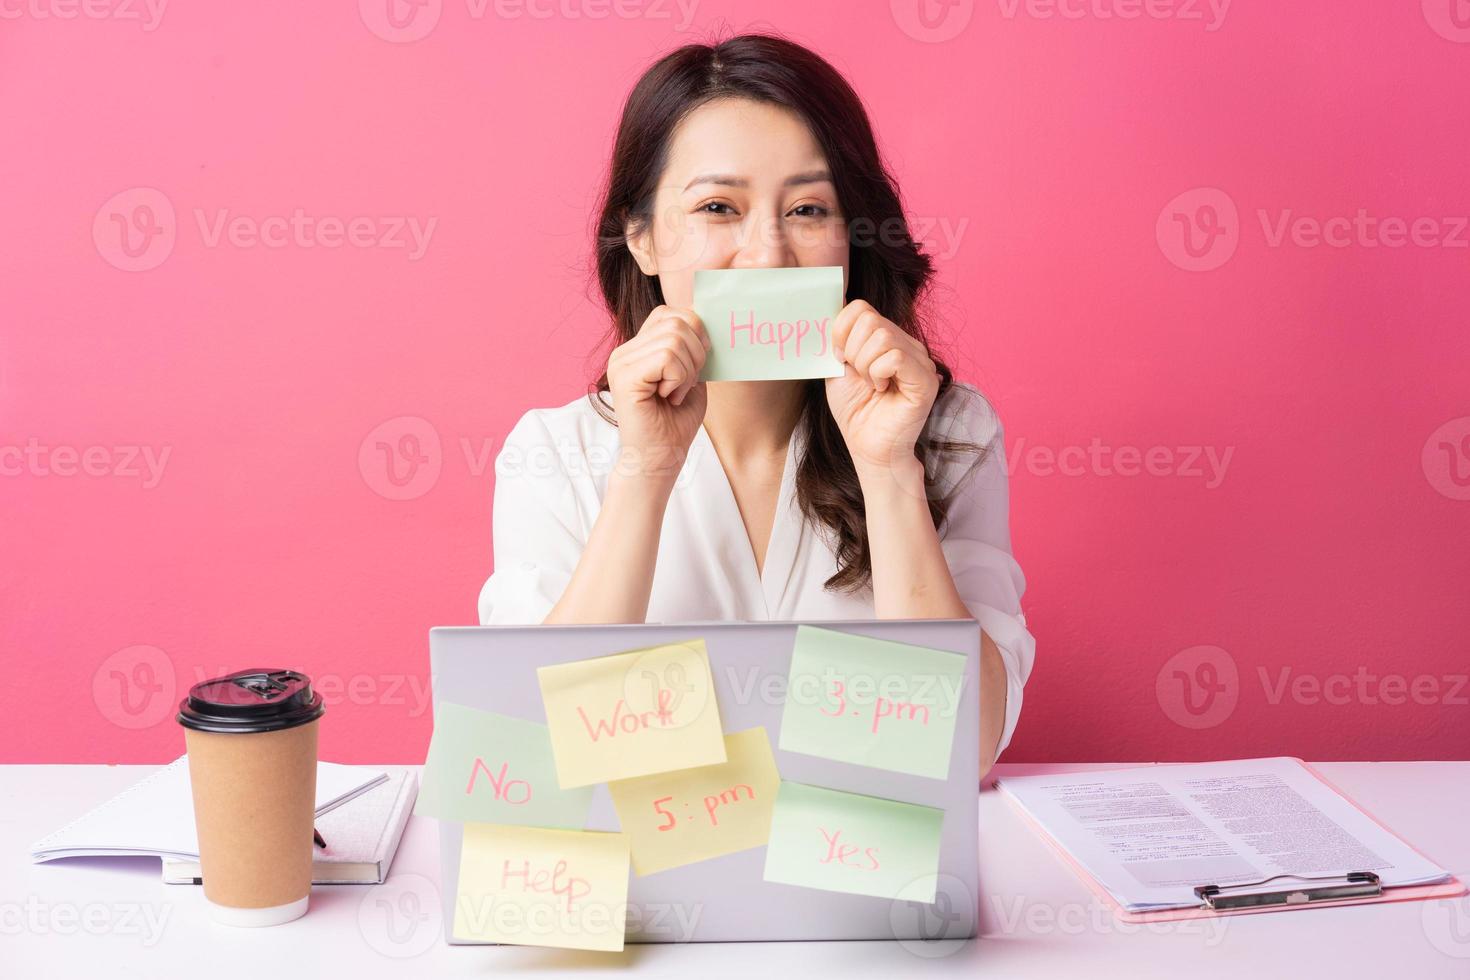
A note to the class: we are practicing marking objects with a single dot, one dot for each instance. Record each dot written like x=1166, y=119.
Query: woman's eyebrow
x=730, y=180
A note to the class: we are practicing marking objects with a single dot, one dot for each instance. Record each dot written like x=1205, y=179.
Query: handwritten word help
x=555, y=882
x=783, y=335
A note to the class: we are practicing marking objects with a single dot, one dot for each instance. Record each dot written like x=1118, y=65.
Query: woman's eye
x=811, y=210
x=714, y=204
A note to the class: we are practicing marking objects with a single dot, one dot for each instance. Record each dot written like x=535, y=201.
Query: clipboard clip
x=1325, y=888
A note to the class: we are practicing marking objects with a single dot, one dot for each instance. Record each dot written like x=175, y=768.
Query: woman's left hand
x=888, y=385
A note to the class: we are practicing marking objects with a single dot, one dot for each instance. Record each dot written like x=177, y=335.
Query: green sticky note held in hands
x=769, y=324
x=872, y=702
x=843, y=842
x=491, y=768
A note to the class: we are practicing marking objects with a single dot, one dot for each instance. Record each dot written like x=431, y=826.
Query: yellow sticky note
x=632, y=714
x=678, y=818
x=531, y=886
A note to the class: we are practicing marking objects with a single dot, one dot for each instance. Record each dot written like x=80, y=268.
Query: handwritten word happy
x=628, y=721
x=779, y=334
x=556, y=881
x=848, y=854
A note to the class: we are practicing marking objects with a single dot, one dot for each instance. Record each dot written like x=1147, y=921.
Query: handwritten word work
x=678, y=818
x=872, y=702
x=632, y=714
x=769, y=324
x=843, y=842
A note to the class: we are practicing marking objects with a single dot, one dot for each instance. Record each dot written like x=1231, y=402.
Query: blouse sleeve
x=537, y=525
x=976, y=540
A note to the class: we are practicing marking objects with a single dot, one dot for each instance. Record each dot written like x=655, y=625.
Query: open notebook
x=155, y=818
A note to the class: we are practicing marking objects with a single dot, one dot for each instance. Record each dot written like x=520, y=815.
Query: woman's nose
x=764, y=245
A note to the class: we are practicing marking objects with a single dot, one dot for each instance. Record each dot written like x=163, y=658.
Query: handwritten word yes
x=848, y=855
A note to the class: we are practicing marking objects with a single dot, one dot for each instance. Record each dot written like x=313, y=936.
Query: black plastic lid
x=251, y=701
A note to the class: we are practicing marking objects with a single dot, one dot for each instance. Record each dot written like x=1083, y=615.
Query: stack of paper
x=1151, y=835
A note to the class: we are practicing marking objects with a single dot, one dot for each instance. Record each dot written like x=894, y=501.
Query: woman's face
x=746, y=187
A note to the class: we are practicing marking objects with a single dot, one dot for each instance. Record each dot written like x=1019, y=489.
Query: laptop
x=726, y=899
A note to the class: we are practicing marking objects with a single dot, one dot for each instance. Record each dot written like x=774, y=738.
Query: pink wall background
x=1304, y=594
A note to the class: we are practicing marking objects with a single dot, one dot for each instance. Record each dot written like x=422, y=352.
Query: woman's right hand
x=656, y=391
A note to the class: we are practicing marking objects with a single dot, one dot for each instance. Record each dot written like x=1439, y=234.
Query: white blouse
x=552, y=472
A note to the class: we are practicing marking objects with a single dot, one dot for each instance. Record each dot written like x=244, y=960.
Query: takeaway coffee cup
x=251, y=739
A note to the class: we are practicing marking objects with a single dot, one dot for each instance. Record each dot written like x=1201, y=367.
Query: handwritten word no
x=848, y=855
x=623, y=720
x=882, y=708
x=504, y=790
x=780, y=334
x=556, y=881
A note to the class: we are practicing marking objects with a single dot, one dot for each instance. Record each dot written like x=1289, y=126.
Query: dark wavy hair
x=887, y=268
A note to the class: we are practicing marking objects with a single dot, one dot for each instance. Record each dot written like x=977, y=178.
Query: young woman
x=660, y=498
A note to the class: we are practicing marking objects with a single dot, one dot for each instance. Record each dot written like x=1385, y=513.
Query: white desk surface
x=115, y=918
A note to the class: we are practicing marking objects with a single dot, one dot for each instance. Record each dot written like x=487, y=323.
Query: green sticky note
x=769, y=324
x=490, y=768
x=872, y=702
x=843, y=842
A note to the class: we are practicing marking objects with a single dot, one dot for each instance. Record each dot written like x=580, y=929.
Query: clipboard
x=1281, y=893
